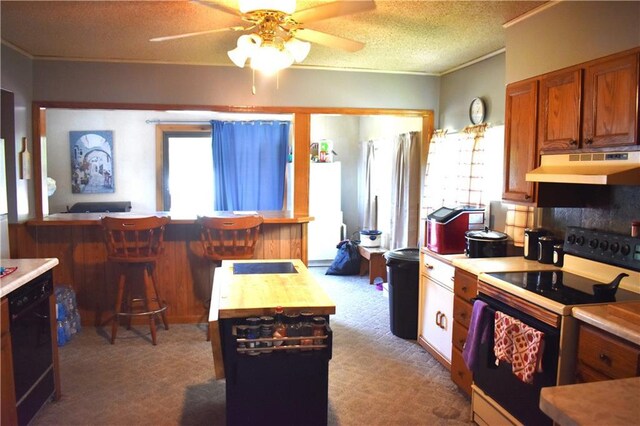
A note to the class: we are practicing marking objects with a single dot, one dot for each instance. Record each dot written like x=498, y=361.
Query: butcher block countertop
x=28, y=269
x=245, y=295
x=621, y=319
x=609, y=402
x=66, y=219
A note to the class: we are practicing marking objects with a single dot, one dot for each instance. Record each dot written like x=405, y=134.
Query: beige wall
x=569, y=33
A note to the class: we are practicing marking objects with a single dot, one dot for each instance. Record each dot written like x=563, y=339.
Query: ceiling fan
x=279, y=35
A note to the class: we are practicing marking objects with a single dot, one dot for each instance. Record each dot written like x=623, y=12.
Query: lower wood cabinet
x=465, y=287
x=603, y=356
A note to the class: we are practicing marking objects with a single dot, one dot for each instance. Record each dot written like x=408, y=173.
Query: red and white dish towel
x=518, y=344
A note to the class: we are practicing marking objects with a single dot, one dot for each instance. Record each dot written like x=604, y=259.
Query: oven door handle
x=516, y=305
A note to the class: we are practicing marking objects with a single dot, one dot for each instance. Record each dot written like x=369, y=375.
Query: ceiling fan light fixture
x=299, y=49
x=238, y=56
x=285, y=6
x=268, y=59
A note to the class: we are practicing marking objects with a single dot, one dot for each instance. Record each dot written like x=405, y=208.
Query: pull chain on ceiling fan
x=280, y=36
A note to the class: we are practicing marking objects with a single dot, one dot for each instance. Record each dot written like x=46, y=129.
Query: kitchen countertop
x=609, y=402
x=93, y=219
x=602, y=317
x=28, y=269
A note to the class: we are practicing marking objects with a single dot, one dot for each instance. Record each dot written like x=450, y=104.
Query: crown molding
x=531, y=13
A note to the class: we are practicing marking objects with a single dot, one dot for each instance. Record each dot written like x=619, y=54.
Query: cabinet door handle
x=438, y=318
x=443, y=322
x=589, y=141
x=573, y=142
x=426, y=265
x=526, y=197
x=463, y=288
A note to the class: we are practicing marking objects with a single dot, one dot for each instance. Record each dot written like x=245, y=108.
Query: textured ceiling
x=404, y=36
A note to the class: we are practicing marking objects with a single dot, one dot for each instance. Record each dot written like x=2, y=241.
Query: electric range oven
x=544, y=300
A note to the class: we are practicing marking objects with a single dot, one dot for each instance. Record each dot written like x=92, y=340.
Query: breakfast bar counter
x=184, y=274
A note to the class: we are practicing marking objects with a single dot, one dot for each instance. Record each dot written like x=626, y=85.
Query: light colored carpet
x=375, y=378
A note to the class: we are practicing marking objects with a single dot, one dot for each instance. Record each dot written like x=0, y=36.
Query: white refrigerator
x=327, y=229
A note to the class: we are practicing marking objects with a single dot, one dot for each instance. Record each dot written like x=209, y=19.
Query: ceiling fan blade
x=331, y=10
x=218, y=6
x=328, y=40
x=173, y=37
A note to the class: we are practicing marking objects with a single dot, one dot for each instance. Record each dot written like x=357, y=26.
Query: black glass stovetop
x=563, y=287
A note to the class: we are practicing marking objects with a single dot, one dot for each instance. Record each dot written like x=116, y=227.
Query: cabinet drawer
x=465, y=284
x=462, y=311
x=459, y=335
x=437, y=270
x=607, y=354
x=460, y=374
x=586, y=374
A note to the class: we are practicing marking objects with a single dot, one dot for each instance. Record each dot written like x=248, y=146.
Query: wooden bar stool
x=229, y=238
x=135, y=244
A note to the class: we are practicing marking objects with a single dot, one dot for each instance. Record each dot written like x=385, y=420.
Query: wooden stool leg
x=148, y=288
x=154, y=280
x=128, y=305
x=118, y=307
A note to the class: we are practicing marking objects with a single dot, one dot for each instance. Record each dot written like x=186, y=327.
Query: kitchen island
x=288, y=382
x=184, y=275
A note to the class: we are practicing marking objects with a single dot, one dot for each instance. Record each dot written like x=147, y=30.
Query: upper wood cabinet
x=591, y=106
x=520, y=154
x=559, y=125
x=611, y=102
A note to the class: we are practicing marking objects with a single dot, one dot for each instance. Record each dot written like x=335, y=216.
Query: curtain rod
x=208, y=122
x=177, y=122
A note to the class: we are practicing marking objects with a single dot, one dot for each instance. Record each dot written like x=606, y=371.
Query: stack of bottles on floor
x=67, y=315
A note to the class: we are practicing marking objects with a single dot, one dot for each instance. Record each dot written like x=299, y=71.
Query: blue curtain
x=249, y=162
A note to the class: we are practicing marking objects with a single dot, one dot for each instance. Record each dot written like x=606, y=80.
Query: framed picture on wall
x=91, y=161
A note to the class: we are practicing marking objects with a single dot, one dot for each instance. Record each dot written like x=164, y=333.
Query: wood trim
x=433, y=352
x=301, y=166
x=427, y=133
x=231, y=108
x=38, y=148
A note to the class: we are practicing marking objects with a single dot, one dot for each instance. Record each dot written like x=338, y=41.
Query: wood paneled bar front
x=185, y=276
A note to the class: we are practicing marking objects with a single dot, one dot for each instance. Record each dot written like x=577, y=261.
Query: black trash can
x=402, y=275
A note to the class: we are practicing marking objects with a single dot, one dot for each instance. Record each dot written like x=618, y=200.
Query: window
x=187, y=172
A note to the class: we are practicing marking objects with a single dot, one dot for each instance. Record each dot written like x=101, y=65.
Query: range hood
x=594, y=168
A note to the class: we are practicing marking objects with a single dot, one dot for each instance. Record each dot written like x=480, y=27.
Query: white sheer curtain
x=368, y=200
x=405, y=191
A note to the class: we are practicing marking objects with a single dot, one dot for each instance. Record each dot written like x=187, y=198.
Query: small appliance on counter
x=446, y=228
x=486, y=243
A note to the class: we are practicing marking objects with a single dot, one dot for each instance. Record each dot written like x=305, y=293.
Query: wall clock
x=477, y=111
